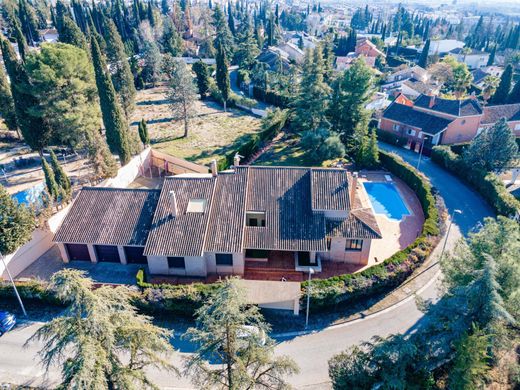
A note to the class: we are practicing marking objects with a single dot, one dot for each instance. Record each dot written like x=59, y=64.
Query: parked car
x=7, y=322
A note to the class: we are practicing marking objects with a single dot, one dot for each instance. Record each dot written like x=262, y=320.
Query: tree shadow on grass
x=222, y=150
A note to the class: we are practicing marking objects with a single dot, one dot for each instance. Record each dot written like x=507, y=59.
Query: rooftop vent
x=173, y=203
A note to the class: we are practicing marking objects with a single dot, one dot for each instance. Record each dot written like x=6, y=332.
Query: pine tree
x=115, y=123
x=235, y=332
x=223, y=37
x=7, y=111
x=17, y=223
x=143, y=133
x=203, y=79
x=35, y=130
x=165, y=7
x=182, y=93
x=122, y=77
x=70, y=33
x=171, y=41
x=313, y=96
x=223, y=75
x=514, y=96
x=50, y=181
x=62, y=180
x=423, y=60
x=502, y=92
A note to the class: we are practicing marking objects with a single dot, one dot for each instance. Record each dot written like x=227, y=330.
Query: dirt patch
x=213, y=132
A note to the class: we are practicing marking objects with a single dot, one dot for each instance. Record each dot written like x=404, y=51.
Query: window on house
x=224, y=258
x=410, y=132
x=396, y=127
x=196, y=206
x=255, y=218
x=256, y=254
x=354, y=245
x=176, y=262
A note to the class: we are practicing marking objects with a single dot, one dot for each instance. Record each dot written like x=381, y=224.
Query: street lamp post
x=421, y=151
x=311, y=271
x=14, y=286
x=456, y=211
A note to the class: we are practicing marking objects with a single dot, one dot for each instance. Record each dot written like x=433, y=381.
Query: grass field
x=213, y=133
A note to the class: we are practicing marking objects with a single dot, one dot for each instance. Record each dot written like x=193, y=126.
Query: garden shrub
x=329, y=294
x=487, y=184
x=30, y=290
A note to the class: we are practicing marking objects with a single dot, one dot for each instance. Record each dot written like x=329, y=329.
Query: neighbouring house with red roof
x=224, y=222
x=365, y=48
x=431, y=120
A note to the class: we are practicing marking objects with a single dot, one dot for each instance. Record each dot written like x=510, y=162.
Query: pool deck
x=397, y=235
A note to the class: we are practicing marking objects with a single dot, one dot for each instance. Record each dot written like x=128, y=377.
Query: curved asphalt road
x=311, y=351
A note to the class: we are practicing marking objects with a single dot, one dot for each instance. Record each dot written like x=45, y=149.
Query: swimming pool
x=30, y=195
x=386, y=200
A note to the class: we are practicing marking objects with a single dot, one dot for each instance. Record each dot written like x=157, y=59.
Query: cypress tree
x=70, y=33
x=423, y=60
x=150, y=15
x=28, y=22
x=35, y=130
x=61, y=177
x=502, y=92
x=113, y=118
x=165, y=8
x=203, y=80
x=223, y=75
x=491, y=59
x=50, y=181
x=7, y=104
x=122, y=76
x=23, y=49
x=143, y=133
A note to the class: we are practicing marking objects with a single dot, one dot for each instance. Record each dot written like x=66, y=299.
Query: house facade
x=430, y=120
x=218, y=223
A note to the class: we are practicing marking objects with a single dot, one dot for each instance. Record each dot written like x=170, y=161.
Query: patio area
x=278, y=266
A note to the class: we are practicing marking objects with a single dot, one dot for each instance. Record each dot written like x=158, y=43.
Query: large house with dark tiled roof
x=203, y=224
x=430, y=120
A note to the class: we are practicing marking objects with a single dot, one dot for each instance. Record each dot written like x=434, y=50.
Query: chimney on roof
x=352, y=192
x=236, y=159
x=214, y=168
x=473, y=96
x=173, y=203
x=432, y=101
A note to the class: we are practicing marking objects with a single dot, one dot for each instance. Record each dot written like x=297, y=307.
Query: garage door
x=78, y=252
x=134, y=255
x=107, y=253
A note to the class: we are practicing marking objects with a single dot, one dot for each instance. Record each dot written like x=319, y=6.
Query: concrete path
x=310, y=351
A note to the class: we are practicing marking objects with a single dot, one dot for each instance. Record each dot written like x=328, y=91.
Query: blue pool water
x=30, y=195
x=386, y=200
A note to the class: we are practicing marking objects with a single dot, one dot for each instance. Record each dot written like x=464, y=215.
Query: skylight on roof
x=196, y=206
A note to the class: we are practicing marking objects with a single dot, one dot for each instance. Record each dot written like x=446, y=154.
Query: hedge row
x=389, y=138
x=330, y=294
x=488, y=185
x=31, y=290
x=271, y=97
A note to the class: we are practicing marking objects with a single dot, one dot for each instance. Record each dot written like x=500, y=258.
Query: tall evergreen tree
x=223, y=75
x=35, y=129
x=491, y=59
x=504, y=87
x=171, y=40
x=223, y=37
x=313, y=93
x=23, y=49
x=121, y=73
x=182, y=93
x=7, y=111
x=50, y=181
x=143, y=133
x=115, y=123
x=62, y=180
x=28, y=21
x=165, y=7
x=203, y=79
x=70, y=33
x=423, y=60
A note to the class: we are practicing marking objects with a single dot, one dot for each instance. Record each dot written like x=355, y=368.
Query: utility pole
x=311, y=271
x=14, y=286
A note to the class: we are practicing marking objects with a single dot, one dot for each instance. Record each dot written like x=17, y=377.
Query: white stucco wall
x=337, y=252
x=237, y=268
